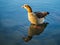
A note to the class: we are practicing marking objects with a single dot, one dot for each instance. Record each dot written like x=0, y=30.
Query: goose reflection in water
x=35, y=30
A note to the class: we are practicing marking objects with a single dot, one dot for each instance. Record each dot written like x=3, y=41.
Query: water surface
x=14, y=24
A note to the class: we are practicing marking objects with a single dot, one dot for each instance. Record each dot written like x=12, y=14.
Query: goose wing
x=39, y=14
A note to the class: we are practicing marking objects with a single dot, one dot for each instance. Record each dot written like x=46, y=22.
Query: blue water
x=14, y=23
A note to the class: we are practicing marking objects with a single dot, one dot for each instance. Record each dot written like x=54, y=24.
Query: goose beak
x=22, y=6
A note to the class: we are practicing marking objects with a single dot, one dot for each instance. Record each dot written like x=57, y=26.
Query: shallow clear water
x=14, y=25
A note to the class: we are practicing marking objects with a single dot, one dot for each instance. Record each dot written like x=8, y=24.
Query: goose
x=35, y=17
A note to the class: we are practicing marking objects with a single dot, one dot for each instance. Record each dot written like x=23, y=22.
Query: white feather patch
x=40, y=20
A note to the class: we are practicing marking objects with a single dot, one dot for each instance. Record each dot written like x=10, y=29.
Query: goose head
x=27, y=7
